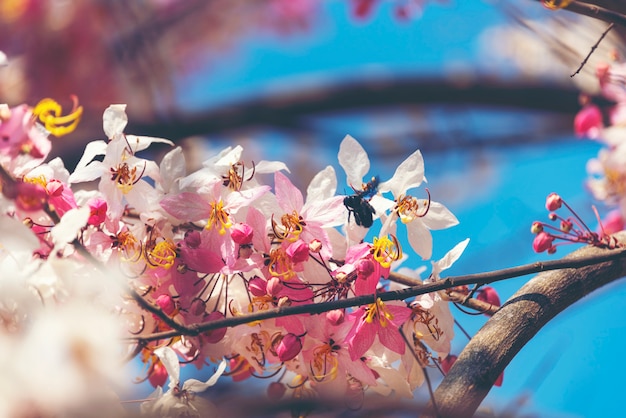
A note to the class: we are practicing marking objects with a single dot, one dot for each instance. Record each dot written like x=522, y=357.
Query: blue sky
x=496, y=193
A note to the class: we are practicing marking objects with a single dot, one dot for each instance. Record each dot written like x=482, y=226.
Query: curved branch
x=518, y=320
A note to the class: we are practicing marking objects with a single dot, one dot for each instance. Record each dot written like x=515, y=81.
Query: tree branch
x=517, y=321
x=446, y=283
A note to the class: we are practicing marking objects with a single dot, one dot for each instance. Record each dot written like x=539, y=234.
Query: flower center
x=219, y=217
x=280, y=264
x=125, y=177
x=378, y=311
x=325, y=363
x=290, y=228
x=162, y=255
x=408, y=208
x=385, y=250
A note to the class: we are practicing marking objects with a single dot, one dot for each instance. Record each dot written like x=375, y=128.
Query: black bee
x=358, y=204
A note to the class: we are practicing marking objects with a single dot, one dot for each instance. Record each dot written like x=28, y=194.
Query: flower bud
x=588, y=122
x=335, y=317
x=315, y=246
x=553, y=202
x=274, y=286
x=288, y=347
x=198, y=307
x=298, y=251
x=158, y=374
x=488, y=294
x=166, y=303
x=446, y=363
x=566, y=226
x=241, y=233
x=536, y=227
x=54, y=188
x=542, y=242
x=364, y=268
x=97, y=211
x=257, y=286
x=276, y=390
x=284, y=301
x=614, y=222
x=216, y=335
x=193, y=239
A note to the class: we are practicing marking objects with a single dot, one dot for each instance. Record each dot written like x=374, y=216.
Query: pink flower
x=377, y=319
x=98, y=211
x=588, y=122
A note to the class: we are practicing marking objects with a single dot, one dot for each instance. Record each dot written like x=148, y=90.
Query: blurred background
x=482, y=88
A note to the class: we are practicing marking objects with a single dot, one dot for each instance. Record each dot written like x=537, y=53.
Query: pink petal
x=186, y=206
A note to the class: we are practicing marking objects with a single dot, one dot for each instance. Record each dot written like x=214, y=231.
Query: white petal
x=197, y=386
x=420, y=239
x=408, y=175
x=451, y=256
x=170, y=361
x=71, y=223
x=354, y=160
x=323, y=185
x=140, y=143
x=439, y=217
x=114, y=120
x=172, y=168
x=91, y=172
x=270, y=167
x=91, y=150
x=3, y=59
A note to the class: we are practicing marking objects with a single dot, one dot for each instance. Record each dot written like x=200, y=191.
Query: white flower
x=419, y=216
x=181, y=401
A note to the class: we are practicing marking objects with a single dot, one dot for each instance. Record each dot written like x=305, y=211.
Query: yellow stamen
x=40, y=180
x=280, y=264
x=556, y=4
x=162, y=255
x=49, y=113
x=378, y=311
x=386, y=250
x=219, y=217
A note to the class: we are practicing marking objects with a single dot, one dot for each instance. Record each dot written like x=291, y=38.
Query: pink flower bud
x=488, y=294
x=158, y=374
x=276, y=390
x=614, y=222
x=588, y=121
x=216, y=335
x=54, y=188
x=166, y=303
x=315, y=246
x=97, y=211
x=364, y=268
x=335, y=317
x=274, y=286
x=553, y=202
x=30, y=197
x=193, y=239
x=536, y=227
x=288, y=347
x=566, y=226
x=499, y=380
x=257, y=286
x=241, y=233
x=197, y=307
x=298, y=251
x=446, y=363
x=542, y=242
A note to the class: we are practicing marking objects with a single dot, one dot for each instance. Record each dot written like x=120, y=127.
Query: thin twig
x=593, y=48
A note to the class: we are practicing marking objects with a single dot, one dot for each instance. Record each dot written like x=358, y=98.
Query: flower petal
x=408, y=175
x=114, y=120
x=439, y=217
x=170, y=360
x=354, y=160
x=187, y=207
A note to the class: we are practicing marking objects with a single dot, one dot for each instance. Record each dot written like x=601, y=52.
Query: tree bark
x=519, y=319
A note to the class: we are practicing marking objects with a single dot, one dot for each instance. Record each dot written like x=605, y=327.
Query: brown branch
x=597, y=12
x=593, y=48
x=472, y=303
x=446, y=283
x=518, y=320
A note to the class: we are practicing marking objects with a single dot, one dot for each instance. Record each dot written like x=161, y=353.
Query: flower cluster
x=187, y=249
x=607, y=124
